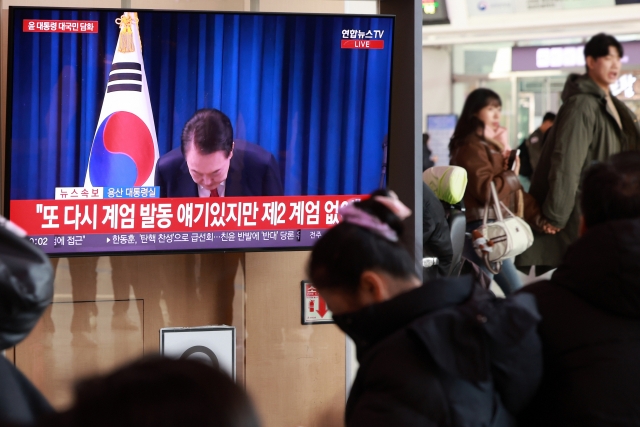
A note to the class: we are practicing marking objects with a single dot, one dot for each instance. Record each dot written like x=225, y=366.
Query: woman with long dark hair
x=443, y=353
x=479, y=145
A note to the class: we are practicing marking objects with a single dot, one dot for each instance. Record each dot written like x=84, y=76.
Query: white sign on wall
x=314, y=308
x=213, y=345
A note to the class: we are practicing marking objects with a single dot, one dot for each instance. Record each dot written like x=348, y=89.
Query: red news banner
x=44, y=217
x=362, y=44
x=58, y=26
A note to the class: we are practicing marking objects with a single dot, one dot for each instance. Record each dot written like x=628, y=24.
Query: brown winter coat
x=484, y=162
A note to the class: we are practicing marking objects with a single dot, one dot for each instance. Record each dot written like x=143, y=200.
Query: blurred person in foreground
x=158, y=392
x=591, y=125
x=443, y=353
x=479, y=145
x=590, y=309
x=26, y=290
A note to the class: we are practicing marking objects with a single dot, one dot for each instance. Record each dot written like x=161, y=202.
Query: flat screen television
x=283, y=117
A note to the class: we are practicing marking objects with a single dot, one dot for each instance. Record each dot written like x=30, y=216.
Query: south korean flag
x=125, y=147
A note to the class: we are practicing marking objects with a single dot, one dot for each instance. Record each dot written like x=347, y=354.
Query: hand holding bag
x=502, y=239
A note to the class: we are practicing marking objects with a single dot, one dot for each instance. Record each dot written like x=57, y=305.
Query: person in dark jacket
x=590, y=309
x=210, y=163
x=26, y=289
x=536, y=139
x=446, y=353
x=531, y=148
x=427, y=160
x=592, y=125
x=436, y=238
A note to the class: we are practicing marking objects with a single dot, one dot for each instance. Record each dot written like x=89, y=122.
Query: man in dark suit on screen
x=209, y=163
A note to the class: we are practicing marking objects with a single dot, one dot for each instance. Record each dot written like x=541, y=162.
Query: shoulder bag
x=501, y=239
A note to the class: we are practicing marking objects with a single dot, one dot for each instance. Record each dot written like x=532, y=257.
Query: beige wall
x=310, y=6
x=437, y=85
x=295, y=373
x=220, y=5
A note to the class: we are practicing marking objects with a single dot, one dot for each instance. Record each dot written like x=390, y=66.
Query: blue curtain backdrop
x=284, y=82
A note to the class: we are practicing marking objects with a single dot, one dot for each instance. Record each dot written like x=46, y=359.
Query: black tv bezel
x=9, y=116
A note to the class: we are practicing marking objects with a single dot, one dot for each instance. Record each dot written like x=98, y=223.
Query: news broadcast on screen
x=173, y=131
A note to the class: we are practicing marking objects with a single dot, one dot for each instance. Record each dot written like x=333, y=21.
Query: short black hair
x=159, y=392
x=425, y=138
x=549, y=116
x=346, y=251
x=209, y=130
x=598, y=46
x=611, y=189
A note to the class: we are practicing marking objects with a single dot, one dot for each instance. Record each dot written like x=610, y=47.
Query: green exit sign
x=430, y=7
x=435, y=12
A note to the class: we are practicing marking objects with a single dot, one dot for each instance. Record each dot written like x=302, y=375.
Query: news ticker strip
x=129, y=242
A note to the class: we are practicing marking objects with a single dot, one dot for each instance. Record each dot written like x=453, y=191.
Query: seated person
x=436, y=238
x=209, y=163
x=590, y=309
x=446, y=353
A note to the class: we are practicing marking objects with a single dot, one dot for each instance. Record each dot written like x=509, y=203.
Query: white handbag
x=502, y=239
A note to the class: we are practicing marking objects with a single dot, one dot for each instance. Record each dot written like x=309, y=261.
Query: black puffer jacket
x=26, y=289
x=446, y=354
x=590, y=331
x=436, y=237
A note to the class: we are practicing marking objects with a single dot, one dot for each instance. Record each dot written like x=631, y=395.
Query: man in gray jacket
x=591, y=126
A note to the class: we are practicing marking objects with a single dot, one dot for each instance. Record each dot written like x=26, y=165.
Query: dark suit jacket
x=253, y=172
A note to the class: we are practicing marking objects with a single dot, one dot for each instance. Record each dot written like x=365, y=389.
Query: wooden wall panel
x=109, y=310
x=54, y=356
x=295, y=373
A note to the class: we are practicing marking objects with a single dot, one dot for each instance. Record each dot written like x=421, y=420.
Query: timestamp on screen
x=39, y=241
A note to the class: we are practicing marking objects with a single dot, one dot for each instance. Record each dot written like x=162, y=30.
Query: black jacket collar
x=371, y=324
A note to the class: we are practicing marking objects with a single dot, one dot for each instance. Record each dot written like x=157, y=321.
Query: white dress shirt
x=203, y=192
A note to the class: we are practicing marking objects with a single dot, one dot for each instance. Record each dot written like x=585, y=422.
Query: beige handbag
x=502, y=239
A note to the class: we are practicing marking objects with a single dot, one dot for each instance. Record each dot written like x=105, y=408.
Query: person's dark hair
x=598, y=46
x=159, y=392
x=346, y=251
x=611, y=189
x=469, y=122
x=425, y=139
x=209, y=130
x=549, y=116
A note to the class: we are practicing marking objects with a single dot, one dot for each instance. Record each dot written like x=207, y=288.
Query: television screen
x=191, y=131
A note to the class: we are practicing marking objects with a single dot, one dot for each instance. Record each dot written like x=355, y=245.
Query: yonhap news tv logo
x=358, y=39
